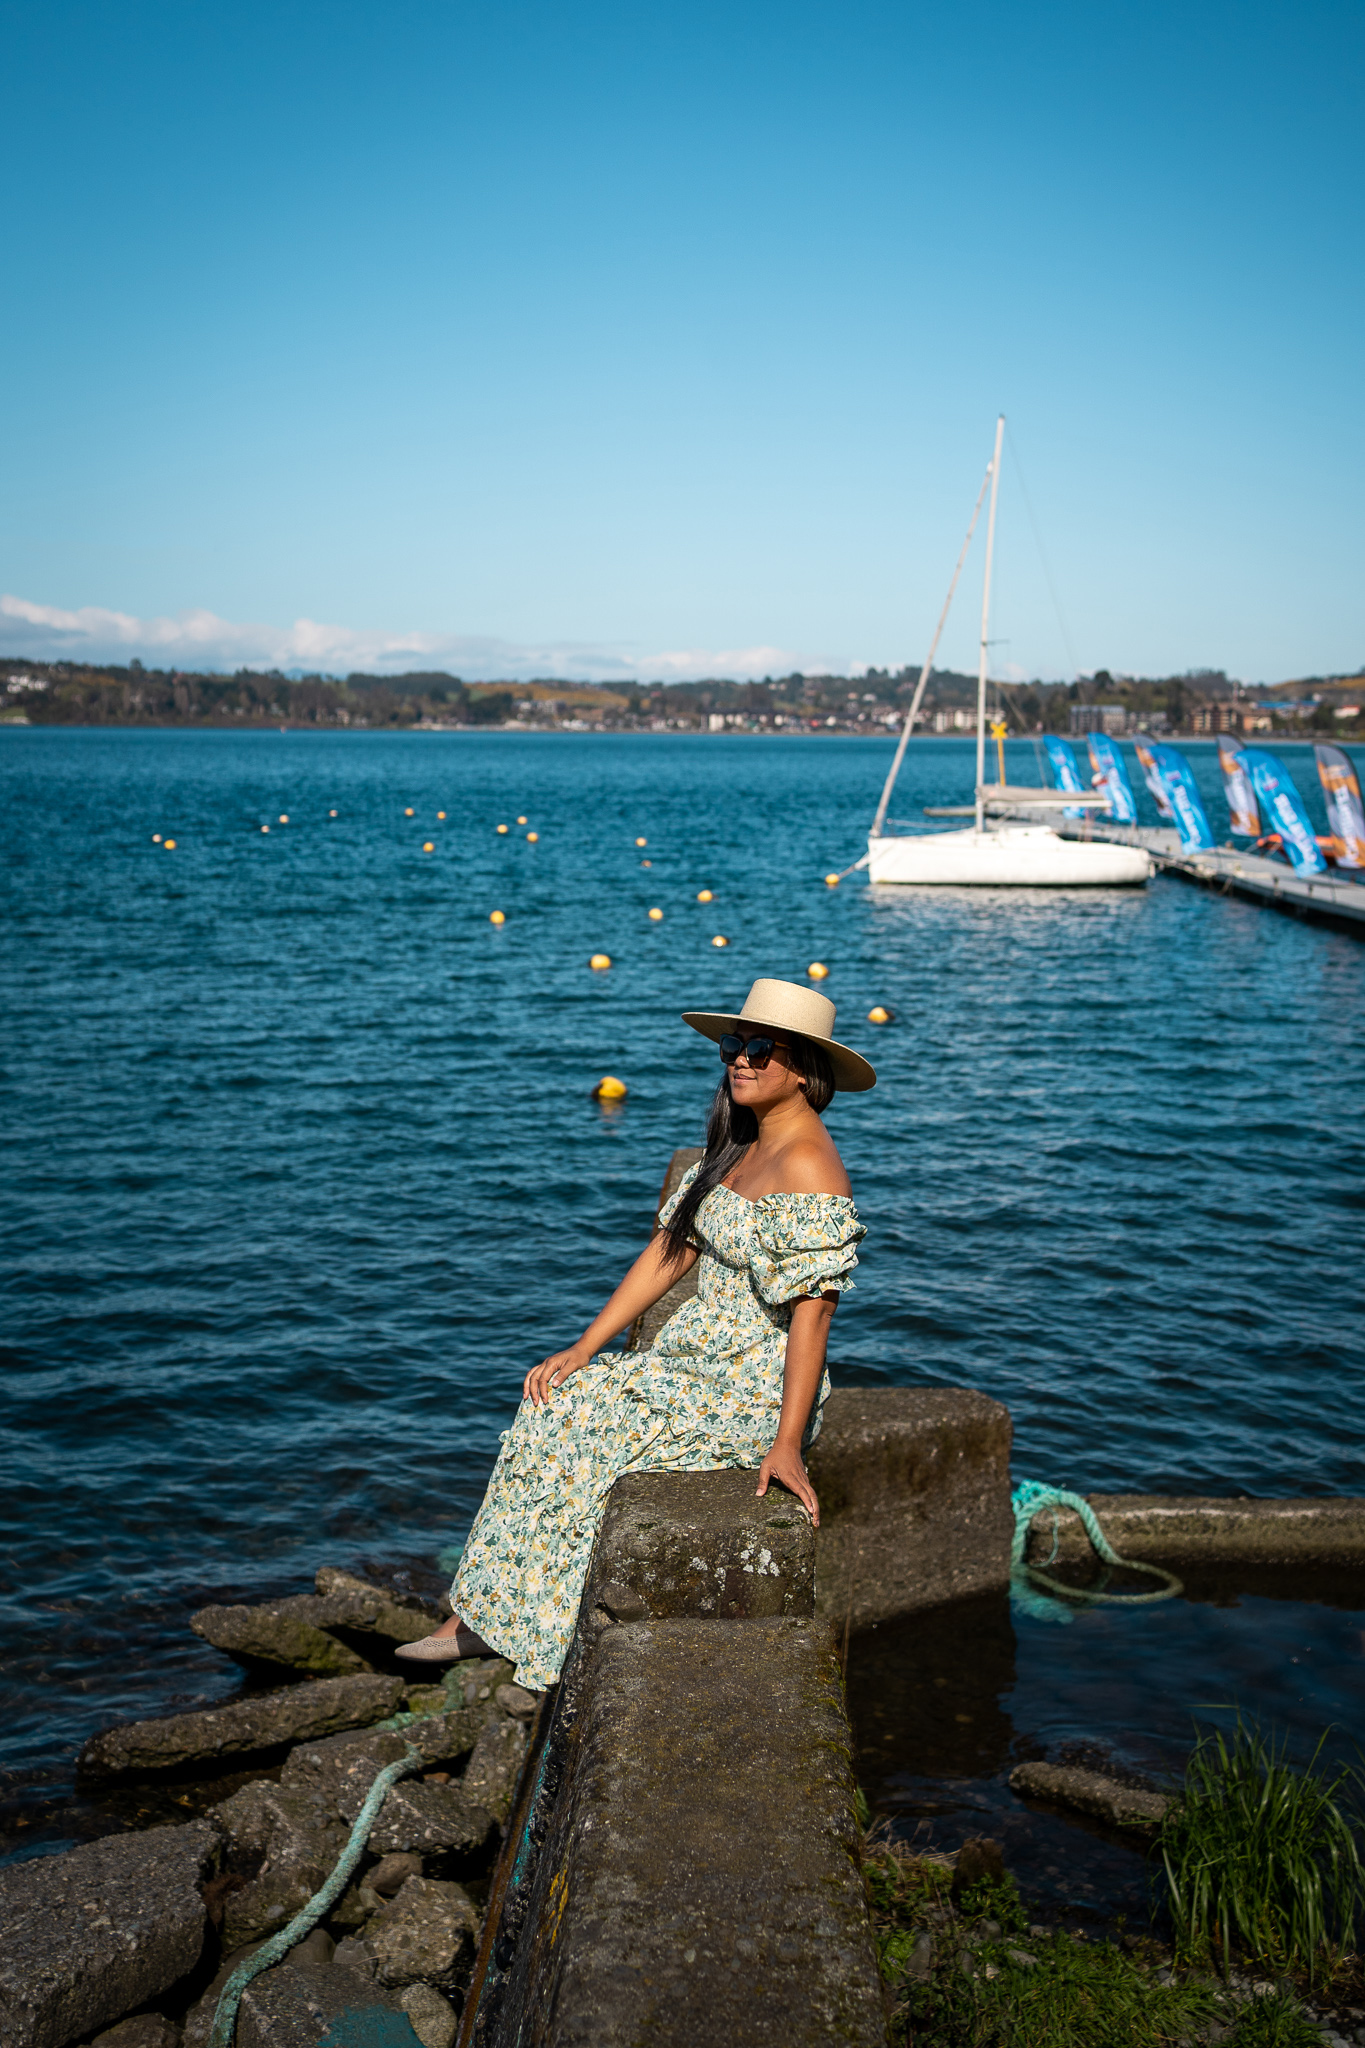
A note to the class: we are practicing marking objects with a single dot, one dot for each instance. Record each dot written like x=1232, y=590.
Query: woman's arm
x=648, y=1280
x=806, y=1340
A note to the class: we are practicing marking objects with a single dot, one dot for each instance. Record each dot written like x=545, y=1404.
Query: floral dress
x=706, y=1395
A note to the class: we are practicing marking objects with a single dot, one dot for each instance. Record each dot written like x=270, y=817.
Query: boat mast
x=913, y=713
x=985, y=634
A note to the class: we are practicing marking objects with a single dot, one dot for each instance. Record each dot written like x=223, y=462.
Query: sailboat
x=992, y=853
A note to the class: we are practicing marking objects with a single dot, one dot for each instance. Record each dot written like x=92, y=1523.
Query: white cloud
x=202, y=640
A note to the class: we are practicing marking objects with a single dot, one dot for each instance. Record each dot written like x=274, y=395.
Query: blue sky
x=660, y=340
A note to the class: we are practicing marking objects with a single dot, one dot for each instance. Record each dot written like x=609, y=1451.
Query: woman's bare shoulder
x=812, y=1166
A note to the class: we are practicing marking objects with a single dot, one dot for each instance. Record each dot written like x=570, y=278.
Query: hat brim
x=852, y=1073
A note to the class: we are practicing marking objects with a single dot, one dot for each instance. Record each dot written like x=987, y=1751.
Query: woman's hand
x=785, y=1464
x=552, y=1372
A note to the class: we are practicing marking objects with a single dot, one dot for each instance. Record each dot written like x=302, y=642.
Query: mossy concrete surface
x=914, y=1489
x=699, y=1880
x=1206, y=1529
x=703, y=1544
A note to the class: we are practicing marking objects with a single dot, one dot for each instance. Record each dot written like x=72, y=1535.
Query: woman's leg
x=520, y=1578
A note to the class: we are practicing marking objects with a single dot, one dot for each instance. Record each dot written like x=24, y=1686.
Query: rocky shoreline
x=127, y=1941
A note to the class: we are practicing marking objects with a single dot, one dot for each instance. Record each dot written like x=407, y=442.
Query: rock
x=433, y=2018
x=88, y=1935
x=427, y=1818
x=315, y=1950
x=490, y=1776
x=979, y=1861
x=375, y=1610
x=921, y=1963
x=516, y=1701
x=352, y=1954
x=1089, y=1792
x=426, y=1699
x=287, y=1632
x=199, y=2018
x=1021, y=1959
x=263, y=1721
x=341, y=1765
x=355, y=1905
x=297, y=2007
x=290, y=1838
x=427, y=1934
x=391, y=1873
x=148, y=2030
x=475, y=1679
x=621, y=1603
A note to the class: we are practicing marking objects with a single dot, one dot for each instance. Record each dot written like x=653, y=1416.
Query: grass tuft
x=1262, y=1857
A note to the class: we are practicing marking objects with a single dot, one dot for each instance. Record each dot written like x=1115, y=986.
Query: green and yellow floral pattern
x=706, y=1395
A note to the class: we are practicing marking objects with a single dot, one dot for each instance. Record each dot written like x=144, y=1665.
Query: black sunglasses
x=757, y=1051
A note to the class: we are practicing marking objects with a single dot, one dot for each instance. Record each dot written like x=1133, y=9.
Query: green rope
x=278, y=1946
x=1031, y=1497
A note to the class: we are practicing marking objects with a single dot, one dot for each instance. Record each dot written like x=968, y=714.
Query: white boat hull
x=1007, y=857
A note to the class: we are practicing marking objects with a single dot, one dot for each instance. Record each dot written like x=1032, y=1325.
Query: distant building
x=1114, y=718
x=1232, y=717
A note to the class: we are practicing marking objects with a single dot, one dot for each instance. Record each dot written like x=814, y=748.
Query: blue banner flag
x=1196, y=834
x=1345, y=812
x=1284, y=811
x=1237, y=788
x=1065, y=772
x=1112, y=777
x=1151, y=775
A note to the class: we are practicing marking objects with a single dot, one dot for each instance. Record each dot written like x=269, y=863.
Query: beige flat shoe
x=445, y=1649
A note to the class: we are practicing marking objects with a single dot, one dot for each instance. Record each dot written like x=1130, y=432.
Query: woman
x=736, y=1377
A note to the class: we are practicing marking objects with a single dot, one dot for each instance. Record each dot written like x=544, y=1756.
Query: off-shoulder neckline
x=781, y=1195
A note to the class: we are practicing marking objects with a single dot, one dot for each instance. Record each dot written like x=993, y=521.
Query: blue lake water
x=303, y=1168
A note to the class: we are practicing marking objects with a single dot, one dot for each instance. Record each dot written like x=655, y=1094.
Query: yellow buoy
x=609, y=1089
x=407, y=813
x=284, y=817
x=706, y=896
x=656, y=916
x=817, y=970
x=642, y=842
x=532, y=837
x=881, y=1015
x=497, y=917
x=523, y=821
x=502, y=828
x=720, y=940
x=428, y=846
x=170, y=846
x=440, y=814
x=646, y=863
x=600, y=961
x=831, y=881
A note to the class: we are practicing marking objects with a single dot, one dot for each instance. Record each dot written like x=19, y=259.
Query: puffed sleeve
x=667, y=1212
x=804, y=1245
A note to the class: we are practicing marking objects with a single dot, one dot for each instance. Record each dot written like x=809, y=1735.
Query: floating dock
x=1330, y=898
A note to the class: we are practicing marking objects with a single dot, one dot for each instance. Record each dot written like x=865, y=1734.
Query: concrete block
x=426, y=1935
x=1201, y=1529
x=263, y=1721
x=700, y=1880
x=701, y=1543
x=1092, y=1792
x=914, y=1490
x=291, y=1836
x=87, y=1936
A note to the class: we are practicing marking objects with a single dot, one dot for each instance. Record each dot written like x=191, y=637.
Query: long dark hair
x=731, y=1130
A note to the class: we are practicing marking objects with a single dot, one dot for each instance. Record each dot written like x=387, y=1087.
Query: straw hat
x=787, y=1006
